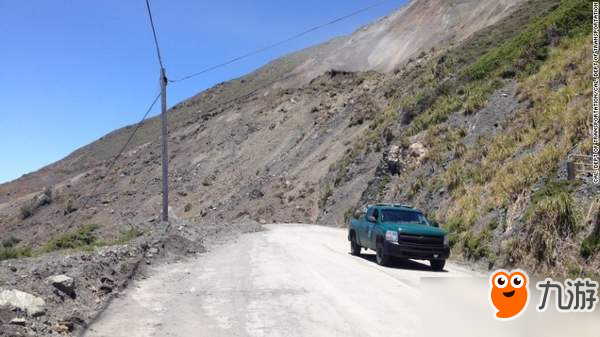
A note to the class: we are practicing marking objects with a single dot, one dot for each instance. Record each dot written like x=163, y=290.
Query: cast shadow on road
x=405, y=264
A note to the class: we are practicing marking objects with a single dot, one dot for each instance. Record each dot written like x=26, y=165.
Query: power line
x=276, y=44
x=116, y=158
x=137, y=126
x=154, y=34
x=249, y=92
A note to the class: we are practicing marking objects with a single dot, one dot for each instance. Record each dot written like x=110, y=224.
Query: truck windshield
x=394, y=215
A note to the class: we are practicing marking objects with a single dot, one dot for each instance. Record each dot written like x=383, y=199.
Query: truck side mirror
x=435, y=224
x=371, y=218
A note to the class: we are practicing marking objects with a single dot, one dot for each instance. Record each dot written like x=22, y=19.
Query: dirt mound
x=77, y=286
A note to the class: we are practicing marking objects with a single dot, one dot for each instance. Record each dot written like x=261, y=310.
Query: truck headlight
x=445, y=240
x=391, y=236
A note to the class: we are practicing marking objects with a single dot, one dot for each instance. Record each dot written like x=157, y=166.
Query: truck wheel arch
x=351, y=234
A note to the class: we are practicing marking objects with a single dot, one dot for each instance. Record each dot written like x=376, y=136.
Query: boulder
x=18, y=321
x=32, y=305
x=63, y=283
x=417, y=150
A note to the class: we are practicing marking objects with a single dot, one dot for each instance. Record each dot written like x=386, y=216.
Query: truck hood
x=414, y=229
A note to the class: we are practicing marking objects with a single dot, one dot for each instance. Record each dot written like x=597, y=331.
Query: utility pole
x=164, y=150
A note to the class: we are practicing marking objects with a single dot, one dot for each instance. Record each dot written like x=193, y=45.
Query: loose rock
x=63, y=283
x=18, y=321
x=32, y=305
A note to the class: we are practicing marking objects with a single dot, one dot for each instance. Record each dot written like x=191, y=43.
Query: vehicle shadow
x=405, y=264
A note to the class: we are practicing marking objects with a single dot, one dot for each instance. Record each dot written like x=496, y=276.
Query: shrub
x=26, y=211
x=454, y=175
x=550, y=218
x=382, y=185
x=128, y=235
x=10, y=242
x=477, y=245
x=455, y=228
x=14, y=252
x=590, y=245
x=82, y=238
x=9, y=249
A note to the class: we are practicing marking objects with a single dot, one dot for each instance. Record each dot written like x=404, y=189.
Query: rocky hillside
x=467, y=109
x=382, y=46
x=481, y=139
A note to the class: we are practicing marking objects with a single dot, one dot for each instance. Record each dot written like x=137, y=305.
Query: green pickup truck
x=393, y=230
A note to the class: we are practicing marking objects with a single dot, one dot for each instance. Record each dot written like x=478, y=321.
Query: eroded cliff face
x=255, y=147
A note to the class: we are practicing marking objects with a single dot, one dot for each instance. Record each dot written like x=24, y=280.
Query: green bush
x=84, y=238
x=477, y=245
x=590, y=245
x=456, y=228
x=9, y=249
x=550, y=218
x=527, y=51
x=14, y=252
x=81, y=238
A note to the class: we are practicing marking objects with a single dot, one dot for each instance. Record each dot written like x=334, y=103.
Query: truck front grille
x=421, y=239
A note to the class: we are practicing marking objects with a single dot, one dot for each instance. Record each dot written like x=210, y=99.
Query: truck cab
x=394, y=230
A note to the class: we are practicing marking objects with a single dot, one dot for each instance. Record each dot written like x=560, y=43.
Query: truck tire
x=354, y=247
x=382, y=259
x=437, y=265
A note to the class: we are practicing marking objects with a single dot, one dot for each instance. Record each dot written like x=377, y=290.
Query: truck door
x=370, y=229
x=362, y=228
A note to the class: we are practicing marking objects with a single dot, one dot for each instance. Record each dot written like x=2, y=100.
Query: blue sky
x=75, y=70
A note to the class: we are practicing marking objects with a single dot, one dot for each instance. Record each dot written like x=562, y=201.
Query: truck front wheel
x=382, y=258
x=354, y=247
x=437, y=265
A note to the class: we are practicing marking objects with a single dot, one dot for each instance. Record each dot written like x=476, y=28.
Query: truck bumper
x=416, y=251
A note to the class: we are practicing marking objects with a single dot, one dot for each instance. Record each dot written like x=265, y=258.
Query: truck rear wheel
x=382, y=259
x=354, y=247
x=437, y=265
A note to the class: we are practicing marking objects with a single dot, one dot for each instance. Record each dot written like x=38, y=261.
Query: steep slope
x=382, y=46
x=389, y=42
x=443, y=128
x=410, y=26
x=483, y=140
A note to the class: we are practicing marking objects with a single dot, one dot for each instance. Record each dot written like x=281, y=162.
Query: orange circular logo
x=509, y=293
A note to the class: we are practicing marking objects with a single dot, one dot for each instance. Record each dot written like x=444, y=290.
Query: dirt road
x=292, y=280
